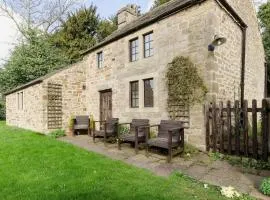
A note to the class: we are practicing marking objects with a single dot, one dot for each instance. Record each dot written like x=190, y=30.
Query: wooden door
x=105, y=105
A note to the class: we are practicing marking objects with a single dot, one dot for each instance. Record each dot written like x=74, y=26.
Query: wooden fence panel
x=231, y=130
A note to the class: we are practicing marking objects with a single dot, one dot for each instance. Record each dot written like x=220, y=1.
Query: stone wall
x=183, y=34
x=72, y=80
x=35, y=104
x=31, y=116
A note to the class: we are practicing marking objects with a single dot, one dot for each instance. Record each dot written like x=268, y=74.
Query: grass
x=33, y=166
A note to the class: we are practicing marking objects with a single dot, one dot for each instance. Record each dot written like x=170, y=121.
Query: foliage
x=57, y=170
x=184, y=83
x=2, y=109
x=30, y=60
x=122, y=129
x=159, y=2
x=92, y=122
x=57, y=133
x=264, y=17
x=82, y=30
x=248, y=163
x=265, y=187
x=71, y=122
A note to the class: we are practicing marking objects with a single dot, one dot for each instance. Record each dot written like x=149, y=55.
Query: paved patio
x=200, y=166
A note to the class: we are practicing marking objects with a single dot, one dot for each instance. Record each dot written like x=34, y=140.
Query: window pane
x=134, y=49
x=149, y=93
x=134, y=94
x=100, y=59
x=148, y=45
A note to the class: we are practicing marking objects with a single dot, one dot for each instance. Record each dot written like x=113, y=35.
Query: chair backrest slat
x=166, y=125
x=138, y=122
x=82, y=120
x=111, y=124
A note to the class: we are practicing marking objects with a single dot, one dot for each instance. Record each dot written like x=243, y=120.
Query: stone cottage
x=124, y=75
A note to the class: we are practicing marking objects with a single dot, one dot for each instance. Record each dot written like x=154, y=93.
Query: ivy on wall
x=185, y=86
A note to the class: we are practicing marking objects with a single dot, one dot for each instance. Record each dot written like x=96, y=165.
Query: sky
x=106, y=8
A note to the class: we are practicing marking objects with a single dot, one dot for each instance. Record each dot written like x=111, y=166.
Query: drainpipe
x=243, y=27
x=243, y=68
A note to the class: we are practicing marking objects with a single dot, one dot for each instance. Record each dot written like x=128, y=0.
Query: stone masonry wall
x=72, y=80
x=32, y=114
x=184, y=34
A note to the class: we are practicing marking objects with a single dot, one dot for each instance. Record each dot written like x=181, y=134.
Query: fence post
x=214, y=127
x=265, y=129
x=246, y=143
x=237, y=127
x=207, y=126
x=254, y=130
x=229, y=147
x=221, y=122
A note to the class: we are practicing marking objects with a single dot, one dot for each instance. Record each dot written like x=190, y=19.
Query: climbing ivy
x=185, y=86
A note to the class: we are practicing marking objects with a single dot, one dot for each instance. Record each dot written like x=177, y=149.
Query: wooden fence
x=239, y=130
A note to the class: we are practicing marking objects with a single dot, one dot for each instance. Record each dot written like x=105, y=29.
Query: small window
x=134, y=49
x=148, y=92
x=20, y=100
x=134, y=94
x=148, y=45
x=100, y=59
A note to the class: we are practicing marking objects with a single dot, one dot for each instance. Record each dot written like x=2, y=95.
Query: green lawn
x=38, y=167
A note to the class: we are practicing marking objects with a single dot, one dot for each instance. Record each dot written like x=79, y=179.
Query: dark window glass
x=148, y=45
x=134, y=94
x=134, y=49
x=20, y=100
x=149, y=93
x=100, y=59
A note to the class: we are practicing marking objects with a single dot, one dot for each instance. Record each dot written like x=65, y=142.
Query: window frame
x=135, y=48
x=100, y=59
x=137, y=99
x=150, y=105
x=149, y=49
x=20, y=100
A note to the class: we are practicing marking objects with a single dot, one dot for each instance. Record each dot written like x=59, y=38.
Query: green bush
x=71, y=122
x=57, y=133
x=265, y=187
x=123, y=130
x=2, y=111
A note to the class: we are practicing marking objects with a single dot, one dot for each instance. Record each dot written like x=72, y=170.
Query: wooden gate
x=235, y=130
x=105, y=105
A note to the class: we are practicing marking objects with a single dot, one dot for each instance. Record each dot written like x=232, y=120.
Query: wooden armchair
x=81, y=123
x=110, y=129
x=135, y=135
x=170, y=136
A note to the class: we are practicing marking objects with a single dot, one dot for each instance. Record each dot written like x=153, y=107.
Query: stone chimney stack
x=127, y=15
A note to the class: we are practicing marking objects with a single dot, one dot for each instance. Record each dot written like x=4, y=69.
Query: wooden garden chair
x=170, y=136
x=110, y=129
x=81, y=123
x=135, y=135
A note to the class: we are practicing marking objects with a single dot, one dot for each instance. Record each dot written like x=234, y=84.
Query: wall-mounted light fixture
x=218, y=41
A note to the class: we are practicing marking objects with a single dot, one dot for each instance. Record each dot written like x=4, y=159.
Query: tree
x=159, y=2
x=264, y=17
x=82, y=30
x=46, y=15
x=30, y=60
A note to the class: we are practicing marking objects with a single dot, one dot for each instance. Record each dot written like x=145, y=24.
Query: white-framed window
x=20, y=100
x=100, y=59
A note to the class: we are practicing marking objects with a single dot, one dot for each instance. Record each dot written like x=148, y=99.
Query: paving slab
x=200, y=166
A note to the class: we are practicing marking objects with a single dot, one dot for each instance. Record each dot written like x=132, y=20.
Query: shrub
x=57, y=133
x=2, y=110
x=71, y=122
x=265, y=187
x=123, y=130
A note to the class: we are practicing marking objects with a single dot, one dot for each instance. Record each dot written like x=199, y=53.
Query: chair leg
x=94, y=138
x=169, y=158
x=89, y=132
x=147, y=150
x=105, y=140
x=119, y=144
x=136, y=147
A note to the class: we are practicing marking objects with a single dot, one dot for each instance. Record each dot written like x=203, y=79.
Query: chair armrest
x=176, y=129
x=124, y=124
x=157, y=125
